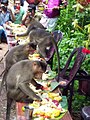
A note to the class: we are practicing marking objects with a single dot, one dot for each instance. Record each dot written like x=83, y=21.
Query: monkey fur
x=17, y=81
x=44, y=41
x=16, y=54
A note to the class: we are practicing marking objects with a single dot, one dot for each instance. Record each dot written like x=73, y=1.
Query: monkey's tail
x=4, y=56
x=2, y=73
x=3, y=81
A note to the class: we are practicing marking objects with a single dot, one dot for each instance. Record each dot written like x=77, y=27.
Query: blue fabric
x=2, y=34
x=4, y=17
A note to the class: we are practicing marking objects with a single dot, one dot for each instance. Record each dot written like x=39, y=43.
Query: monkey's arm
x=25, y=33
x=29, y=92
x=31, y=27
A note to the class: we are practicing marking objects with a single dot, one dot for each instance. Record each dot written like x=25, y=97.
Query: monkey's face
x=27, y=22
x=39, y=68
x=29, y=49
x=38, y=75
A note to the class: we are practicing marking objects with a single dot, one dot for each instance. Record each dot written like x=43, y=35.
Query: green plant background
x=72, y=38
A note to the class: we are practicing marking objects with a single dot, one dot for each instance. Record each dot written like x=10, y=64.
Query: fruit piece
x=59, y=98
x=56, y=113
x=36, y=55
x=23, y=108
x=49, y=83
x=48, y=114
x=55, y=102
x=53, y=95
x=42, y=113
x=45, y=88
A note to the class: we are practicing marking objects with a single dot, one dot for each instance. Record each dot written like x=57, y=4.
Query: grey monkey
x=17, y=81
x=44, y=41
x=16, y=54
x=31, y=24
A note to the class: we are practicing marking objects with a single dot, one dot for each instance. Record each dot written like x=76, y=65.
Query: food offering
x=18, y=29
x=53, y=106
x=50, y=108
x=35, y=56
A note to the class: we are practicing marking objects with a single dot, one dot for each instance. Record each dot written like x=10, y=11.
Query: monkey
x=17, y=53
x=31, y=24
x=17, y=81
x=44, y=41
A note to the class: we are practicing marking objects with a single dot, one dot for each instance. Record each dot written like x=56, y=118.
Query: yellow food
x=41, y=8
x=56, y=113
x=36, y=55
x=54, y=96
x=23, y=109
x=59, y=98
x=48, y=114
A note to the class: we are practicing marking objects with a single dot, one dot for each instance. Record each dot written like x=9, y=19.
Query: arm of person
x=11, y=14
x=25, y=16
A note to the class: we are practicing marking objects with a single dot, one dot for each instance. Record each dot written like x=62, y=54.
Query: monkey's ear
x=35, y=66
x=34, y=63
x=27, y=47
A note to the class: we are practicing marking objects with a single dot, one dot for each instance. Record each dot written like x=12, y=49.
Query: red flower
x=88, y=1
x=84, y=50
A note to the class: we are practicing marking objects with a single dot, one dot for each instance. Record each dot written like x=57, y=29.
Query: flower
x=84, y=50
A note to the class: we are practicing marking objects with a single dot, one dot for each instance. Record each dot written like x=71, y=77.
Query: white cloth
x=48, y=23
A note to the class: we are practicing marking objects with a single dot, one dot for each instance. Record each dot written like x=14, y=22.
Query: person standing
x=29, y=15
x=51, y=13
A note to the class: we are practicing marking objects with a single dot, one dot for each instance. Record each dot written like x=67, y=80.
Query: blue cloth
x=4, y=17
x=2, y=34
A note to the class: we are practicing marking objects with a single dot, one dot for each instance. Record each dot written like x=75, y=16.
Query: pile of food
x=49, y=108
x=52, y=107
x=17, y=29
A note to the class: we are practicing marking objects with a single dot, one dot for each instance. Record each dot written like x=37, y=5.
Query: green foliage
x=79, y=101
x=72, y=37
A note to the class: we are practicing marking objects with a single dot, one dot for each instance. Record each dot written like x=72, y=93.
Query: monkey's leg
x=9, y=103
x=21, y=97
x=3, y=81
x=29, y=92
x=2, y=72
x=26, y=100
x=23, y=34
x=4, y=55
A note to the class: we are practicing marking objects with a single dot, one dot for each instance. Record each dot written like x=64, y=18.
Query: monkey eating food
x=31, y=24
x=16, y=54
x=44, y=41
x=17, y=82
